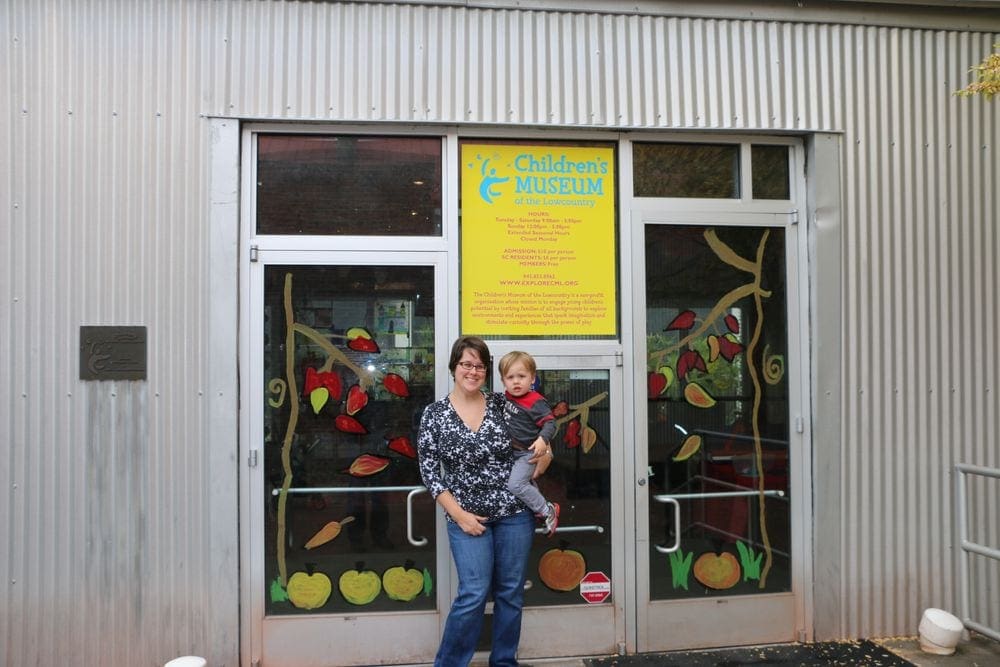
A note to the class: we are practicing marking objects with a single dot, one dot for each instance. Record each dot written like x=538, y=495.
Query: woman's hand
x=541, y=457
x=471, y=524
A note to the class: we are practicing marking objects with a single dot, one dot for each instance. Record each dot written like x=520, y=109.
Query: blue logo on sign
x=489, y=181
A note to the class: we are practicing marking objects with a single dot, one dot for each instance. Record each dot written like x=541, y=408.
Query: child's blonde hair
x=511, y=358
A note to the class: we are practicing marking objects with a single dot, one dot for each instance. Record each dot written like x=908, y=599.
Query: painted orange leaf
x=691, y=445
x=367, y=465
x=588, y=438
x=713, y=347
x=697, y=396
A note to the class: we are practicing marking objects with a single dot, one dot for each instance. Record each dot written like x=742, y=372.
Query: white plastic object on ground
x=939, y=632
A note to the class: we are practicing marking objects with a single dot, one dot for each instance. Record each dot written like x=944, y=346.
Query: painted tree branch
x=728, y=256
x=333, y=354
x=293, y=420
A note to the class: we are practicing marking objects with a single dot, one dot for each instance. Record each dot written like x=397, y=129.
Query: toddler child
x=531, y=425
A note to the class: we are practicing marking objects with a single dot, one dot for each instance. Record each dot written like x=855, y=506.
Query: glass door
x=717, y=431
x=346, y=564
x=576, y=589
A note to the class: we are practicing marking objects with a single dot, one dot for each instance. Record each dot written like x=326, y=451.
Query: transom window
x=348, y=185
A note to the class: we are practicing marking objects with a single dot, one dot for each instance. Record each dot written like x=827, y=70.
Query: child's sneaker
x=552, y=520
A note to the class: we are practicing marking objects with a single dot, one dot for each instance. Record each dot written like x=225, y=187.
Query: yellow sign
x=538, y=240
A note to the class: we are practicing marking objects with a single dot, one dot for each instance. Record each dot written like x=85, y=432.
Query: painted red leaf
x=396, y=385
x=688, y=361
x=561, y=409
x=316, y=379
x=682, y=322
x=368, y=464
x=656, y=382
x=572, y=437
x=312, y=381
x=357, y=399
x=732, y=323
x=331, y=381
x=728, y=349
x=361, y=344
x=402, y=445
x=348, y=424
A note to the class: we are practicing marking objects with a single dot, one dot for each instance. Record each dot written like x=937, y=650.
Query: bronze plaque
x=112, y=353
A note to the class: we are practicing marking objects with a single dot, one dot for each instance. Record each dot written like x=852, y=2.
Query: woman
x=465, y=460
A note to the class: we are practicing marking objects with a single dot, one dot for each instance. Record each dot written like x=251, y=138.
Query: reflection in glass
x=362, y=185
x=346, y=380
x=687, y=170
x=769, y=166
x=717, y=409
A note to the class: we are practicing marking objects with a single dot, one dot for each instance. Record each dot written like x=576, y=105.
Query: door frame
x=543, y=633
x=744, y=212
x=302, y=638
x=233, y=166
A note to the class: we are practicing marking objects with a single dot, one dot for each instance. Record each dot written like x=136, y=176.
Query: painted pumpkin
x=403, y=582
x=359, y=586
x=309, y=591
x=718, y=571
x=562, y=569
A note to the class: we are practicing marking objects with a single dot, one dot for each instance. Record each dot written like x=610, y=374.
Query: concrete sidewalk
x=978, y=651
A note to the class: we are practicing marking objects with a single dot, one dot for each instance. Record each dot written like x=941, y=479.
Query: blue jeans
x=495, y=562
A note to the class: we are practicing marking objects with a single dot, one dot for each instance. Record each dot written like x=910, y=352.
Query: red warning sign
x=595, y=587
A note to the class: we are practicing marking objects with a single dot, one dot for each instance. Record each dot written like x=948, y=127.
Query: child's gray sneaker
x=552, y=519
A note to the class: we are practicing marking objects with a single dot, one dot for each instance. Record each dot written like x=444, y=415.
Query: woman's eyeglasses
x=469, y=366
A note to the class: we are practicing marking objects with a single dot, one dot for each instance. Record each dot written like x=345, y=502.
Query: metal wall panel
x=114, y=493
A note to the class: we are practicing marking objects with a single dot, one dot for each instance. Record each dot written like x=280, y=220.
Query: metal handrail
x=963, y=469
x=574, y=529
x=772, y=493
x=346, y=489
x=411, y=492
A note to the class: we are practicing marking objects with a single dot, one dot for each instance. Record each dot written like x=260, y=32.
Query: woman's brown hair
x=474, y=343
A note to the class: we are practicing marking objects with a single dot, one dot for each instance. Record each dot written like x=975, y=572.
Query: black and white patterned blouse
x=474, y=466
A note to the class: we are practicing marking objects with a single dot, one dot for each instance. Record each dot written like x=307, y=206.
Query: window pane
x=579, y=479
x=687, y=170
x=340, y=435
x=372, y=186
x=718, y=410
x=769, y=167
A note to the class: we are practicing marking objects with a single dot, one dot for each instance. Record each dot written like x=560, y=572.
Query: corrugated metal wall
x=104, y=136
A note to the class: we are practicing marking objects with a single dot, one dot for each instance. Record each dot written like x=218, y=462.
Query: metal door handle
x=677, y=525
x=409, y=518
